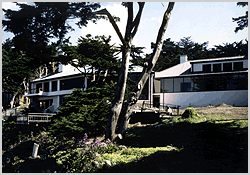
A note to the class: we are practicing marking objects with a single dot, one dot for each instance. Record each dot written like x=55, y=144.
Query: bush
x=189, y=113
x=81, y=156
x=83, y=112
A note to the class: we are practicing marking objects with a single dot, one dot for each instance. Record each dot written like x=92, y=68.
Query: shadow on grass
x=207, y=147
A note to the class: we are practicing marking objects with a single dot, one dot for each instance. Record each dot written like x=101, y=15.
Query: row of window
x=64, y=85
x=225, y=67
x=203, y=83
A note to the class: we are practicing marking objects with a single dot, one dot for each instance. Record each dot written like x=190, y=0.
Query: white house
x=196, y=83
x=204, y=82
x=47, y=93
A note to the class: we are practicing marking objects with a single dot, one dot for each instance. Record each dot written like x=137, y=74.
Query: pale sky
x=203, y=21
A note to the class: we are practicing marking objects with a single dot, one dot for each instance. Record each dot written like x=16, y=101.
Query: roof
x=135, y=69
x=176, y=70
x=217, y=59
x=68, y=70
x=183, y=68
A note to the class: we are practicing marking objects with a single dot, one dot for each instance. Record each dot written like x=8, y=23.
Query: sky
x=202, y=21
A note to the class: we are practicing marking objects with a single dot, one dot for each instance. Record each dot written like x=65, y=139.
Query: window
x=167, y=85
x=61, y=99
x=187, y=85
x=216, y=82
x=227, y=67
x=206, y=68
x=71, y=83
x=216, y=67
x=44, y=104
x=38, y=87
x=144, y=93
x=157, y=86
x=238, y=66
x=54, y=85
x=46, y=87
x=243, y=81
x=198, y=82
x=178, y=84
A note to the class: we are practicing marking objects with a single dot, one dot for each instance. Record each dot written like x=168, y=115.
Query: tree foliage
x=84, y=112
x=95, y=54
x=35, y=24
x=16, y=68
x=242, y=21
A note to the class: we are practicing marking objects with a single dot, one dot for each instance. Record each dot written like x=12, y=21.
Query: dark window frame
x=227, y=67
x=206, y=68
x=54, y=86
x=238, y=66
x=214, y=82
x=217, y=67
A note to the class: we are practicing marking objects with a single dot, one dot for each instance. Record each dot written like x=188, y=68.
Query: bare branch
x=137, y=19
x=129, y=26
x=112, y=21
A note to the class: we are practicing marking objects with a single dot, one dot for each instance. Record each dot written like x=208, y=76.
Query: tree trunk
x=119, y=95
x=105, y=76
x=13, y=100
x=136, y=92
x=131, y=29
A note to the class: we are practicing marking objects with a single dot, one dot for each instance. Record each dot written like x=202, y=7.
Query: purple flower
x=54, y=137
x=73, y=138
x=85, y=137
x=108, y=141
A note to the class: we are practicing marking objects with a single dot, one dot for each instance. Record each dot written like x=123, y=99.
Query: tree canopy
x=92, y=53
x=35, y=24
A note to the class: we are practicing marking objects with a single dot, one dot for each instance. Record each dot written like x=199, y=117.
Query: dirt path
x=230, y=112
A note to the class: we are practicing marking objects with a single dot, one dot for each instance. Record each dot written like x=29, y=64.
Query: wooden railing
x=34, y=118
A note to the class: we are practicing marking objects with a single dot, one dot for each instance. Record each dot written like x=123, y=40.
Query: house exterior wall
x=201, y=99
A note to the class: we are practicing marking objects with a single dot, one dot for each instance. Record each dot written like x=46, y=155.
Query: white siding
x=202, y=99
x=245, y=64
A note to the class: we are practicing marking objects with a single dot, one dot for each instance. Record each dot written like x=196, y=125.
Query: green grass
x=200, y=144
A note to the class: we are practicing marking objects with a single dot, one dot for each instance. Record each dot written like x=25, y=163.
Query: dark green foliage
x=93, y=52
x=84, y=112
x=15, y=68
x=35, y=24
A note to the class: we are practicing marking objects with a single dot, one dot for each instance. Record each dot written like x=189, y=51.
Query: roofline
x=214, y=73
x=218, y=59
x=67, y=76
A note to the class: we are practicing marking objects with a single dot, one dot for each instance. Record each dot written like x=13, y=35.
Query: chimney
x=60, y=67
x=183, y=58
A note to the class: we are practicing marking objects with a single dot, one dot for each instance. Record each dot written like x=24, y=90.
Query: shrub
x=80, y=157
x=189, y=113
x=83, y=112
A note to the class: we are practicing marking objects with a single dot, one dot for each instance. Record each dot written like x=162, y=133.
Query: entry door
x=156, y=101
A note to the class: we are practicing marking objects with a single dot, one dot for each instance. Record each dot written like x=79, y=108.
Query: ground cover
x=200, y=143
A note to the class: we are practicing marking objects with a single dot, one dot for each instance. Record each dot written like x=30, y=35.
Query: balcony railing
x=34, y=118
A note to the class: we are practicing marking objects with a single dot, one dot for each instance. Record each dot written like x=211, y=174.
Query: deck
x=34, y=118
x=163, y=109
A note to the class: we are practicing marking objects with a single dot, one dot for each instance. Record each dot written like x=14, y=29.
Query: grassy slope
x=198, y=144
x=214, y=146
